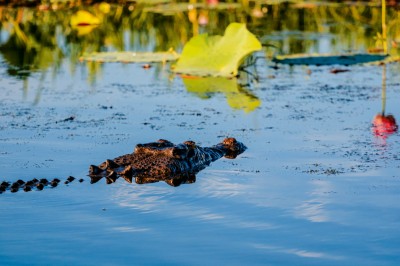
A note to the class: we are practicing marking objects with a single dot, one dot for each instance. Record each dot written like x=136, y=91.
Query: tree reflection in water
x=41, y=38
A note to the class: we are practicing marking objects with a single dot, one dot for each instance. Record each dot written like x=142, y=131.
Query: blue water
x=314, y=187
x=266, y=207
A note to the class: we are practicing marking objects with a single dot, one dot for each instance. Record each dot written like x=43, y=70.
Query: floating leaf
x=237, y=97
x=217, y=55
x=323, y=60
x=84, y=18
x=131, y=57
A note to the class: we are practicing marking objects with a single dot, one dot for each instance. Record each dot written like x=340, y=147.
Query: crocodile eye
x=190, y=143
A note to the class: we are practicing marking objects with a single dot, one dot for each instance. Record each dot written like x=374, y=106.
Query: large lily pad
x=324, y=60
x=206, y=55
x=237, y=97
x=131, y=57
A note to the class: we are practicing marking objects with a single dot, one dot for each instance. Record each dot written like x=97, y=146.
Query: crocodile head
x=233, y=147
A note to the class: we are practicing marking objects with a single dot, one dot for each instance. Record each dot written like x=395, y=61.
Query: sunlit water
x=315, y=186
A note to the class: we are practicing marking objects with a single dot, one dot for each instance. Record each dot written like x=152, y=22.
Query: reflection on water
x=314, y=209
x=384, y=125
x=299, y=252
x=30, y=48
x=237, y=96
x=174, y=181
x=149, y=163
x=264, y=209
x=41, y=39
x=164, y=161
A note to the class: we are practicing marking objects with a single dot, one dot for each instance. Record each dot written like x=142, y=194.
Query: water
x=315, y=186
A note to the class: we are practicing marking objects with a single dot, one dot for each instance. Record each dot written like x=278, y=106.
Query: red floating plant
x=384, y=125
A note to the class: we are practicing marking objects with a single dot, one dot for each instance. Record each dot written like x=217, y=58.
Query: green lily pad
x=131, y=57
x=236, y=96
x=324, y=60
x=217, y=55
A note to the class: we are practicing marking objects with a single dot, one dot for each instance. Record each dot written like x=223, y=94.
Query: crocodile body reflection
x=165, y=161
x=162, y=160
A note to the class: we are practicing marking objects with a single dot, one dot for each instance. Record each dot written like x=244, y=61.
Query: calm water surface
x=315, y=186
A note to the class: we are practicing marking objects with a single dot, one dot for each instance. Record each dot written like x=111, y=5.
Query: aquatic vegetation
x=206, y=55
x=384, y=125
x=131, y=57
x=40, y=39
x=203, y=55
x=321, y=60
x=313, y=188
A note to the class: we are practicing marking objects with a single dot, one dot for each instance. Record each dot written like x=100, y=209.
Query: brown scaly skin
x=163, y=160
x=150, y=162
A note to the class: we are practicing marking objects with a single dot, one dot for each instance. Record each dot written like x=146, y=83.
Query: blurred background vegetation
x=37, y=35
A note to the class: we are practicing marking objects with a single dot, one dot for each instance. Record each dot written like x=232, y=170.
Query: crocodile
x=162, y=160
